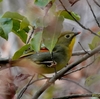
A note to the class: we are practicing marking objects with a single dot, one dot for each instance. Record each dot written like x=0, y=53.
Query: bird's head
x=67, y=38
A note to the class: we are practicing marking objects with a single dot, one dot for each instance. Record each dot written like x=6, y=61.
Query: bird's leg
x=55, y=70
x=54, y=63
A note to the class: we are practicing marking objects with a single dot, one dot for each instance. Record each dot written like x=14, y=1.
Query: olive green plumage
x=46, y=62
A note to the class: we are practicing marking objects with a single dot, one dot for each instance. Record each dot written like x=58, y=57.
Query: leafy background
x=19, y=17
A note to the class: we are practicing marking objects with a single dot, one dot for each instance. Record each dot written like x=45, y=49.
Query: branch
x=24, y=89
x=33, y=28
x=72, y=2
x=79, y=68
x=78, y=21
x=76, y=53
x=76, y=84
x=96, y=3
x=63, y=71
x=83, y=48
x=93, y=13
x=79, y=96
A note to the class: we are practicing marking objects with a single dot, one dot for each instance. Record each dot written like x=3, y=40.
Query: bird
x=46, y=62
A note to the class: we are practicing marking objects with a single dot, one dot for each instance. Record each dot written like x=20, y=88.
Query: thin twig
x=78, y=21
x=96, y=3
x=72, y=2
x=79, y=96
x=38, y=80
x=63, y=71
x=80, y=68
x=76, y=84
x=82, y=47
x=93, y=13
x=24, y=89
x=77, y=53
x=30, y=35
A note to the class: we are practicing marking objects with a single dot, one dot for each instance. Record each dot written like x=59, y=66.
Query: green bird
x=46, y=62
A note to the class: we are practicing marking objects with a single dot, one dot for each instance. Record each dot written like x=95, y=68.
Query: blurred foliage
x=92, y=79
x=6, y=25
x=1, y=0
x=36, y=41
x=47, y=32
x=20, y=51
x=41, y=3
x=52, y=32
x=47, y=27
x=95, y=42
x=16, y=23
x=67, y=16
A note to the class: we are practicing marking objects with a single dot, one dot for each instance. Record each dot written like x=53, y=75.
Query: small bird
x=46, y=62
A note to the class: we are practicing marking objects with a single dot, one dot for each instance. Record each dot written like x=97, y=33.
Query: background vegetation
x=21, y=19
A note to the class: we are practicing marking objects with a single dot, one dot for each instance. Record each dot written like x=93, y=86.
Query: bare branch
x=24, y=89
x=79, y=96
x=78, y=21
x=93, y=13
x=96, y=3
x=30, y=35
x=76, y=53
x=76, y=84
x=80, y=68
x=63, y=71
x=72, y=2
x=83, y=48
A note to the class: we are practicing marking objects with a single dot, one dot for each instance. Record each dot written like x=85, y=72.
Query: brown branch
x=93, y=13
x=78, y=21
x=72, y=2
x=83, y=48
x=33, y=28
x=63, y=71
x=24, y=88
x=96, y=3
x=70, y=72
x=76, y=53
x=79, y=96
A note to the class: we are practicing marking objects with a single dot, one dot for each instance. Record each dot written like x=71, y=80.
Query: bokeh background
x=8, y=81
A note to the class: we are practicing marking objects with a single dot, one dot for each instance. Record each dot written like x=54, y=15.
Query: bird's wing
x=43, y=58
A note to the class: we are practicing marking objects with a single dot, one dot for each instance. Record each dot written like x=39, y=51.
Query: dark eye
x=67, y=36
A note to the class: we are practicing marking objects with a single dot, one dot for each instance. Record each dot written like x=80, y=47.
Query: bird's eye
x=67, y=36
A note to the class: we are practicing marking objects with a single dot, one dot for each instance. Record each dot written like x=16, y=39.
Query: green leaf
x=24, y=23
x=41, y=3
x=1, y=0
x=36, y=41
x=26, y=29
x=52, y=32
x=95, y=42
x=16, y=25
x=22, y=35
x=2, y=34
x=6, y=25
x=91, y=46
x=92, y=79
x=66, y=15
x=20, y=52
x=13, y=15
